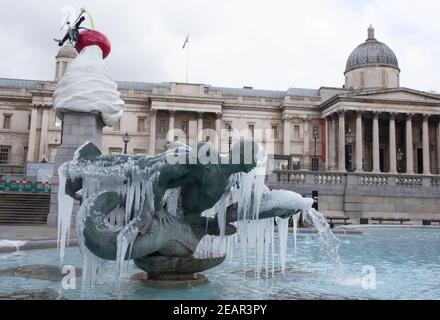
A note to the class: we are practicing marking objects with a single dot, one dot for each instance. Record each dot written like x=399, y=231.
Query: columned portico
x=341, y=141
x=409, y=145
x=359, y=142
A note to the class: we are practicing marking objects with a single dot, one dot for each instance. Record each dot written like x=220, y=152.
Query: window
x=384, y=78
x=25, y=153
x=281, y=164
x=362, y=82
x=117, y=126
x=206, y=90
x=7, y=121
x=208, y=138
x=275, y=132
x=4, y=154
x=185, y=127
x=295, y=164
x=161, y=126
x=57, y=122
x=114, y=150
x=296, y=131
x=141, y=124
x=251, y=129
x=29, y=122
x=140, y=151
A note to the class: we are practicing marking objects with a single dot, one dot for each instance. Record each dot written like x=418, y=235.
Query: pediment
x=401, y=94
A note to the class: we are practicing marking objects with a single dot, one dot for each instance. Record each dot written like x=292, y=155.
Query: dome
x=67, y=51
x=371, y=53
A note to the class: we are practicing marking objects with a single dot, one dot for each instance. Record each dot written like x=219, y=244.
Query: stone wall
x=365, y=195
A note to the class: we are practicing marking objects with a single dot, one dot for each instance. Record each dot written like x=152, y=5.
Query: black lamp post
x=230, y=130
x=126, y=140
x=399, y=156
x=349, y=140
x=315, y=165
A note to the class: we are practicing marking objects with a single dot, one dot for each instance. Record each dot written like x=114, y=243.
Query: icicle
x=65, y=208
x=295, y=229
x=283, y=228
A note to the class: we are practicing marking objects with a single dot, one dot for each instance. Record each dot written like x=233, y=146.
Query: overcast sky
x=265, y=44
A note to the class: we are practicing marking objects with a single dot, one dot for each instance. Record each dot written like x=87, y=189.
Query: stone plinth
x=78, y=127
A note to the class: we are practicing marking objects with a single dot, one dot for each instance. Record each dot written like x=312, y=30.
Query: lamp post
x=315, y=165
x=399, y=156
x=126, y=140
x=230, y=130
x=349, y=141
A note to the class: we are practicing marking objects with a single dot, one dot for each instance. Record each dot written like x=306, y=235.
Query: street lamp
x=349, y=140
x=230, y=130
x=126, y=140
x=315, y=165
x=400, y=155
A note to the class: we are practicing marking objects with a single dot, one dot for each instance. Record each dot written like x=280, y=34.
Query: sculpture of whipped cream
x=87, y=86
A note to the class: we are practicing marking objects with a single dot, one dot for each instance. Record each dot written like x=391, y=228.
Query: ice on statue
x=88, y=87
x=136, y=207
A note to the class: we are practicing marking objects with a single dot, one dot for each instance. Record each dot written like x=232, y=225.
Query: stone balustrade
x=331, y=178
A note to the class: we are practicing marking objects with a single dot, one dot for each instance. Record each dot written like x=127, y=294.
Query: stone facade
x=369, y=126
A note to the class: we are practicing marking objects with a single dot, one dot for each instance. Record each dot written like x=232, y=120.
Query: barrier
x=24, y=186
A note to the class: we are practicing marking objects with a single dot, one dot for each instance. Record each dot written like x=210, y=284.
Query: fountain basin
x=406, y=263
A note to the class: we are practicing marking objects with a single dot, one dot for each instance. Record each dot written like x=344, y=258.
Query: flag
x=186, y=41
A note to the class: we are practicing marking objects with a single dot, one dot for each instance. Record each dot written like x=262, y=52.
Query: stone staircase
x=21, y=208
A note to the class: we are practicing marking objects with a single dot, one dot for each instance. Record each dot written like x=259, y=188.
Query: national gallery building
x=368, y=148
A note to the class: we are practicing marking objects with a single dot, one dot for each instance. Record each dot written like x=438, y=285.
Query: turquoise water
x=405, y=262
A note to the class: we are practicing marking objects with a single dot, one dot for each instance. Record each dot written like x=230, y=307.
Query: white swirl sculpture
x=88, y=87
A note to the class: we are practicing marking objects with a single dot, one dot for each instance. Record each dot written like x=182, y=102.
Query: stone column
x=306, y=136
x=32, y=135
x=171, y=126
x=327, y=141
x=438, y=147
x=78, y=127
x=286, y=135
x=43, y=152
x=199, y=126
x=341, y=141
x=152, y=145
x=393, y=156
x=218, y=130
x=376, y=162
x=359, y=142
x=425, y=129
x=409, y=145
x=333, y=149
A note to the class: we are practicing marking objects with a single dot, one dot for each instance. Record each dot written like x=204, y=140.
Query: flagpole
x=187, y=61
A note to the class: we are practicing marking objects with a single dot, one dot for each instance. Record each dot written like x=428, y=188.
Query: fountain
x=174, y=214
